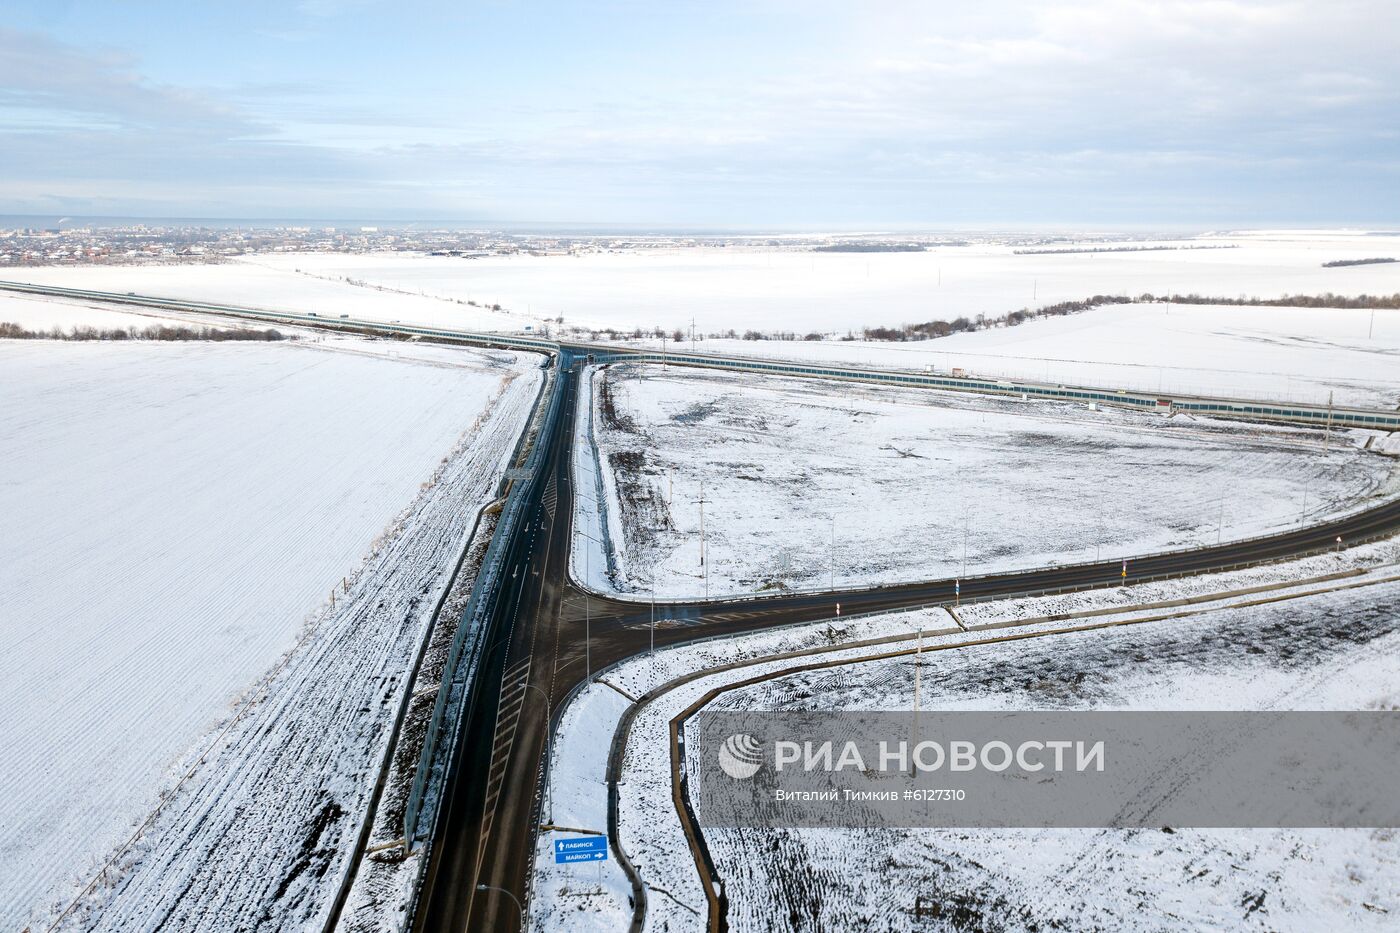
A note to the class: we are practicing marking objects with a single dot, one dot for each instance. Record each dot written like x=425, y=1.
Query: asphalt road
x=538, y=653
x=536, y=649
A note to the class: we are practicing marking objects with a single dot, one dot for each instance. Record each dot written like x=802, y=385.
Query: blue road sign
x=580, y=849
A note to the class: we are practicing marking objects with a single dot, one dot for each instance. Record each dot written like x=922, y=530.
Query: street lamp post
x=587, y=612
x=549, y=751
x=520, y=911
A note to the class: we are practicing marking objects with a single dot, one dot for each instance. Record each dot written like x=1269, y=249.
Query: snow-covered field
x=43, y=313
x=257, y=283
x=883, y=485
x=777, y=288
x=1289, y=354
x=581, y=897
x=177, y=517
x=1333, y=651
x=1277, y=353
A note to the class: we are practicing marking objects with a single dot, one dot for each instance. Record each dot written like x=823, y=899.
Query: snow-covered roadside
x=809, y=483
x=649, y=830
x=595, y=525
x=1334, y=651
x=219, y=493
x=584, y=740
x=1279, y=354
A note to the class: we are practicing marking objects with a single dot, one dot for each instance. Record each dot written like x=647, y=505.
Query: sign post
x=580, y=849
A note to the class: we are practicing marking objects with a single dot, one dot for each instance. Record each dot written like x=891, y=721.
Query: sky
x=764, y=114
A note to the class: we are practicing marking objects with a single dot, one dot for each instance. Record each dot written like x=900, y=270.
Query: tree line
x=13, y=331
x=933, y=329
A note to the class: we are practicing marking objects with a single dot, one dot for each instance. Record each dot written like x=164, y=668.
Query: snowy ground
x=1290, y=354
x=43, y=313
x=908, y=475
x=1334, y=651
x=585, y=897
x=1276, y=353
x=255, y=282
x=177, y=518
x=777, y=288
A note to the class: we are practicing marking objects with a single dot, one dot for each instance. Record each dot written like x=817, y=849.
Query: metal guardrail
x=468, y=642
x=1247, y=409
x=1135, y=399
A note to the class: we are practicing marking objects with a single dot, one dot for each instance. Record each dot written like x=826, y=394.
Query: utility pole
x=1220, y=528
x=587, y=608
x=653, y=613
x=964, y=554
x=704, y=564
x=1327, y=435
x=833, y=552
x=918, y=665
x=1371, y=331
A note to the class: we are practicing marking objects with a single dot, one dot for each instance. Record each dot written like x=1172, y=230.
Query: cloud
x=41, y=74
x=763, y=112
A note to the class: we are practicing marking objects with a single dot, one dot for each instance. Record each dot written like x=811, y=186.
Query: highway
x=491, y=813
x=494, y=809
x=1253, y=409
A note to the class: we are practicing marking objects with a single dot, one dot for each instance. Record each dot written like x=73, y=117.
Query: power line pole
x=833, y=552
x=1327, y=435
x=918, y=666
x=704, y=564
x=964, y=554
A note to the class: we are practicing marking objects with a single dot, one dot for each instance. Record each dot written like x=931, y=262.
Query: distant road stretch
x=1247, y=409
